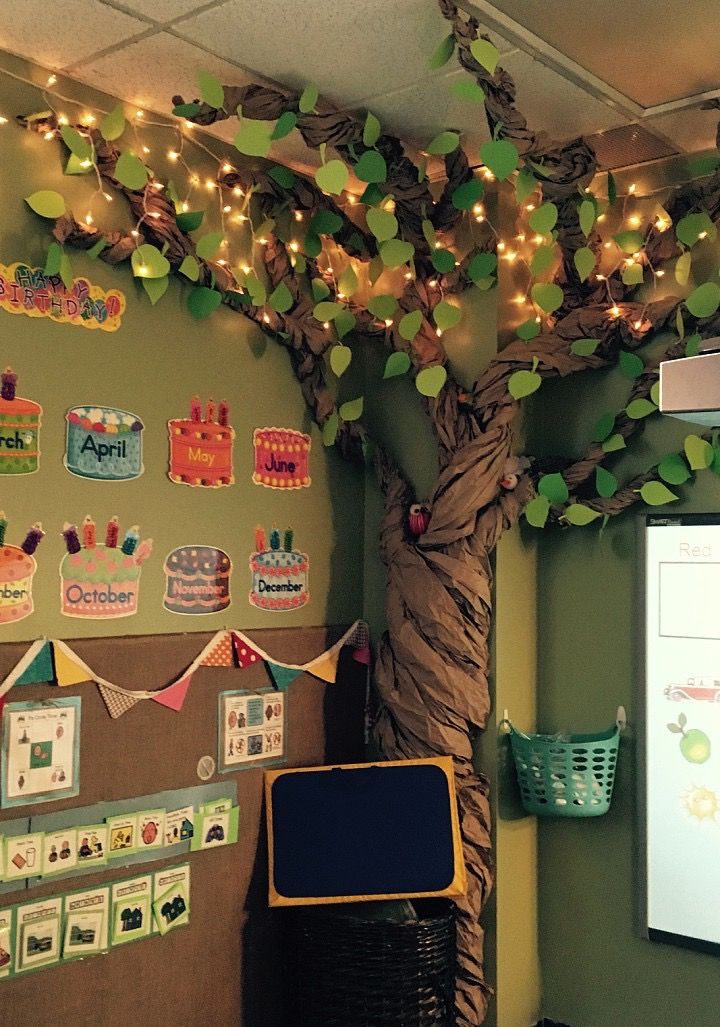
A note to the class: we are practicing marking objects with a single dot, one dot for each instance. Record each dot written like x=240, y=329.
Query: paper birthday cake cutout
x=201, y=449
x=17, y=570
x=19, y=429
x=101, y=581
x=282, y=457
x=279, y=573
x=103, y=443
x=197, y=580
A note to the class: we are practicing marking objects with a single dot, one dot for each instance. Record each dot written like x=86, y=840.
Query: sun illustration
x=701, y=803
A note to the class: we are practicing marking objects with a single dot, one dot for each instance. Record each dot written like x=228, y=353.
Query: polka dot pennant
x=221, y=655
x=244, y=653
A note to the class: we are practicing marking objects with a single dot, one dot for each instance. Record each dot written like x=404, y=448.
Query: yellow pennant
x=67, y=671
x=325, y=667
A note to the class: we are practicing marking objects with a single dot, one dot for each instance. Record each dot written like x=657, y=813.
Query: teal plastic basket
x=566, y=775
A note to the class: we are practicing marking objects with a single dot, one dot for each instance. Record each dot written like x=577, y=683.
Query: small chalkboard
x=365, y=831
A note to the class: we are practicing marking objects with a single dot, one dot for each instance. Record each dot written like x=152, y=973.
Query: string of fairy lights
x=235, y=208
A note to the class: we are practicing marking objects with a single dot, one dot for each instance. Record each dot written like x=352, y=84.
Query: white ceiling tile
x=347, y=49
x=67, y=33
x=162, y=11
x=690, y=130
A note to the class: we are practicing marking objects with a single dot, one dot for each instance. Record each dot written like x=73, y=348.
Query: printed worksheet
x=40, y=751
x=252, y=728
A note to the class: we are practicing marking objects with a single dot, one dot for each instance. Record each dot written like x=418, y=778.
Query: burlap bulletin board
x=225, y=968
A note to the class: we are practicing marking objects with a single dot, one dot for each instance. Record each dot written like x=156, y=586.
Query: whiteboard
x=682, y=729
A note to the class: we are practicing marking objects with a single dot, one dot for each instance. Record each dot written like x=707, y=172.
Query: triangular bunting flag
x=40, y=669
x=69, y=671
x=116, y=700
x=221, y=654
x=174, y=695
x=325, y=667
x=282, y=676
x=245, y=654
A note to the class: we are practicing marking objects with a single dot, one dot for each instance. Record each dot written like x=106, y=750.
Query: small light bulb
x=266, y=319
x=146, y=150
x=185, y=206
x=227, y=167
x=245, y=269
x=139, y=114
x=501, y=245
x=227, y=208
x=49, y=135
x=607, y=245
x=51, y=80
x=298, y=215
x=173, y=155
x=88, y=218
x=341, y=295
x=135, y=233
x=600, y=278
x=86, y=163
x=520, y=298
x=538, y=239
x=241, y=217
x=237, y=191
x=262, y=240
x=352, y=199
x=295, y=247
x=601, y=217
x=702, y=235
x=326, y=325
x=438, y=332
x=194, y=179
x=615, y=310
x=388, y=322
x=537, y=320
x=634, y=220
x=488, y=175
x=222, y=263
x=478, y=208
x=108, y=197
x=62, y=120
x=154, y=215
x=88, y=118
x=480, y=218
x=637, y=325
x=659, y=273
x=520, y=237
x=433, y=283
x=632, y=188
x=408, y=276
x=188, y=124
x=209, y=184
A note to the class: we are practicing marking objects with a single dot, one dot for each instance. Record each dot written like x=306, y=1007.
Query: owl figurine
x=418, y=519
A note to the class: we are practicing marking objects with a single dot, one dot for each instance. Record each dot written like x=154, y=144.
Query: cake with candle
x=281, y=458
x=103, y=443
x=201, y=448
x=197, y=580
x=17, y=569
x=99, y=581
x=19, y=429
x=279, y=573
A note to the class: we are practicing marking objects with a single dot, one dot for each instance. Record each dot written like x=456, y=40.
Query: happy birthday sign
x=27, y=290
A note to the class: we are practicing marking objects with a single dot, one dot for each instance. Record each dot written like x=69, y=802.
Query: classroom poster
x=251, y=728
x=41, y=751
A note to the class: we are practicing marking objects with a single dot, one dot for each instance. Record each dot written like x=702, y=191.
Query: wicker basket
x=566, y=775
x=347, y=970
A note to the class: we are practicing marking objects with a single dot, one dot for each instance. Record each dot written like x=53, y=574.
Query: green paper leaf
x=382, y=223
x=611, y=187
x=716, y=460
x=202, y=302
x=580, y=515
x=584, y=261
x=537, y=510
x=148, y=262
x=208, y=245
x=430, y=380
x=614, y=443
x=173, y=195
x=190, y=221
x=689, y=229
x=340, y=357
x=673, y=469
x=692, y=345
x=348, y=282
x=308, y=99
x=482, y=265
x=344, y=323
x=682, y=268
x=679, y=323
x=501, y=157
x=554, y=488
x=443, y=52
x=639, y=408
x=632, y=274
x=587, y=213
x=155, y=288
x=78, y=144
x=372, y=195
x=332, y=177
x=443, y=261
x=382, y=307
x=319, y=289
x=52, y=261
x=485, y=283
x=395, y=252
x=371, y=167
x=654, y=493
x=528, y=330
x=469, y=91
x=256, y=288
x=525, y=184
x=443, y=143
x=283, y=176
x=46, y=203
x=584, y=347
x=704, y=301
x=281, y=299
x=630, y=241
x=524, y=383
x=468, y=194
x=96, y=249
x=543, y=219
x=326, y=310
x=485, y=53
x=605, y=483
x=211, y=91
x=326, y=222
x=429, y=232
x=186, y=110
x=396, y=364
x=112, y=125
x=75, y=166
x=542, y=259
x=330, y=430
x=410, y=325
x=66, y=271
x=131, y=172
x=253, y=139
x=352, y=410
x=699, y=453
x=630, y=364
x=284, y=125
x=655, y=393
x=190, y=268
x=603, y=427
x=446, y=315
x=547, y=295
x=375, y=269
x=372, y=129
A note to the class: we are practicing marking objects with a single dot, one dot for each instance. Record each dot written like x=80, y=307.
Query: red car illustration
x=707, y=689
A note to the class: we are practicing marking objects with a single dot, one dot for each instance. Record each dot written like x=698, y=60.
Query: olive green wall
x=152, y=366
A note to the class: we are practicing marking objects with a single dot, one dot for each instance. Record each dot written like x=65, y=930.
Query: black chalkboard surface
x=365, y=831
